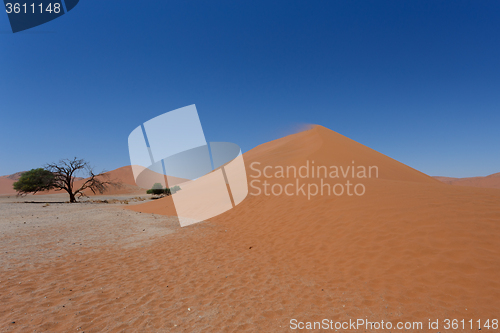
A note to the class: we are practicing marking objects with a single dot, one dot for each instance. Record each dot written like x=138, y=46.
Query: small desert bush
x=156, y=190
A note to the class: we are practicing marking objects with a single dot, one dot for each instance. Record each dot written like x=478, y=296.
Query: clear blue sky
x=416, y=80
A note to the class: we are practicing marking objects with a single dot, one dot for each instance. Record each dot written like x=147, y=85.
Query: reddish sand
x=409, y=249
x=491, y=181
x=6, y=183
x=6, y=186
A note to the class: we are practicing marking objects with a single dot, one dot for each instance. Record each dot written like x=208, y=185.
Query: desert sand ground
x=42, y=231
x=38, y=228
x=409, y=250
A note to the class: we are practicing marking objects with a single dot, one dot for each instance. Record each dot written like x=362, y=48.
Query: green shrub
x=35, y=180
x=158, y=190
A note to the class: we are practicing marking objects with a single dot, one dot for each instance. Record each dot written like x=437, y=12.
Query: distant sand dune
x=6, y=186
x=491, y=181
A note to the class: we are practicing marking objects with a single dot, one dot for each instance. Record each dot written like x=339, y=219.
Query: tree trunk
x=72, y=198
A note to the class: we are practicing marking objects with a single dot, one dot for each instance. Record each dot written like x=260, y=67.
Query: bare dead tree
x=64, y=178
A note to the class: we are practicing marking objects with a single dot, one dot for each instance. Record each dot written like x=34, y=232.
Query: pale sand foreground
x=49, y=228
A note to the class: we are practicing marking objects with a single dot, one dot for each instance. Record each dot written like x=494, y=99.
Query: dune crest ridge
x=327, y=147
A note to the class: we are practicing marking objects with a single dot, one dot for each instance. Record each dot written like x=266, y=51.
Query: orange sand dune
x=125, y=177
x=491, y=181
x=319, y=145
x=122, y=175
x=6, y=183
x=6, y=186
x=410, y=248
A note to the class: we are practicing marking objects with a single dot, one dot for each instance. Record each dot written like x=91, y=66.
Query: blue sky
x=416, y=80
